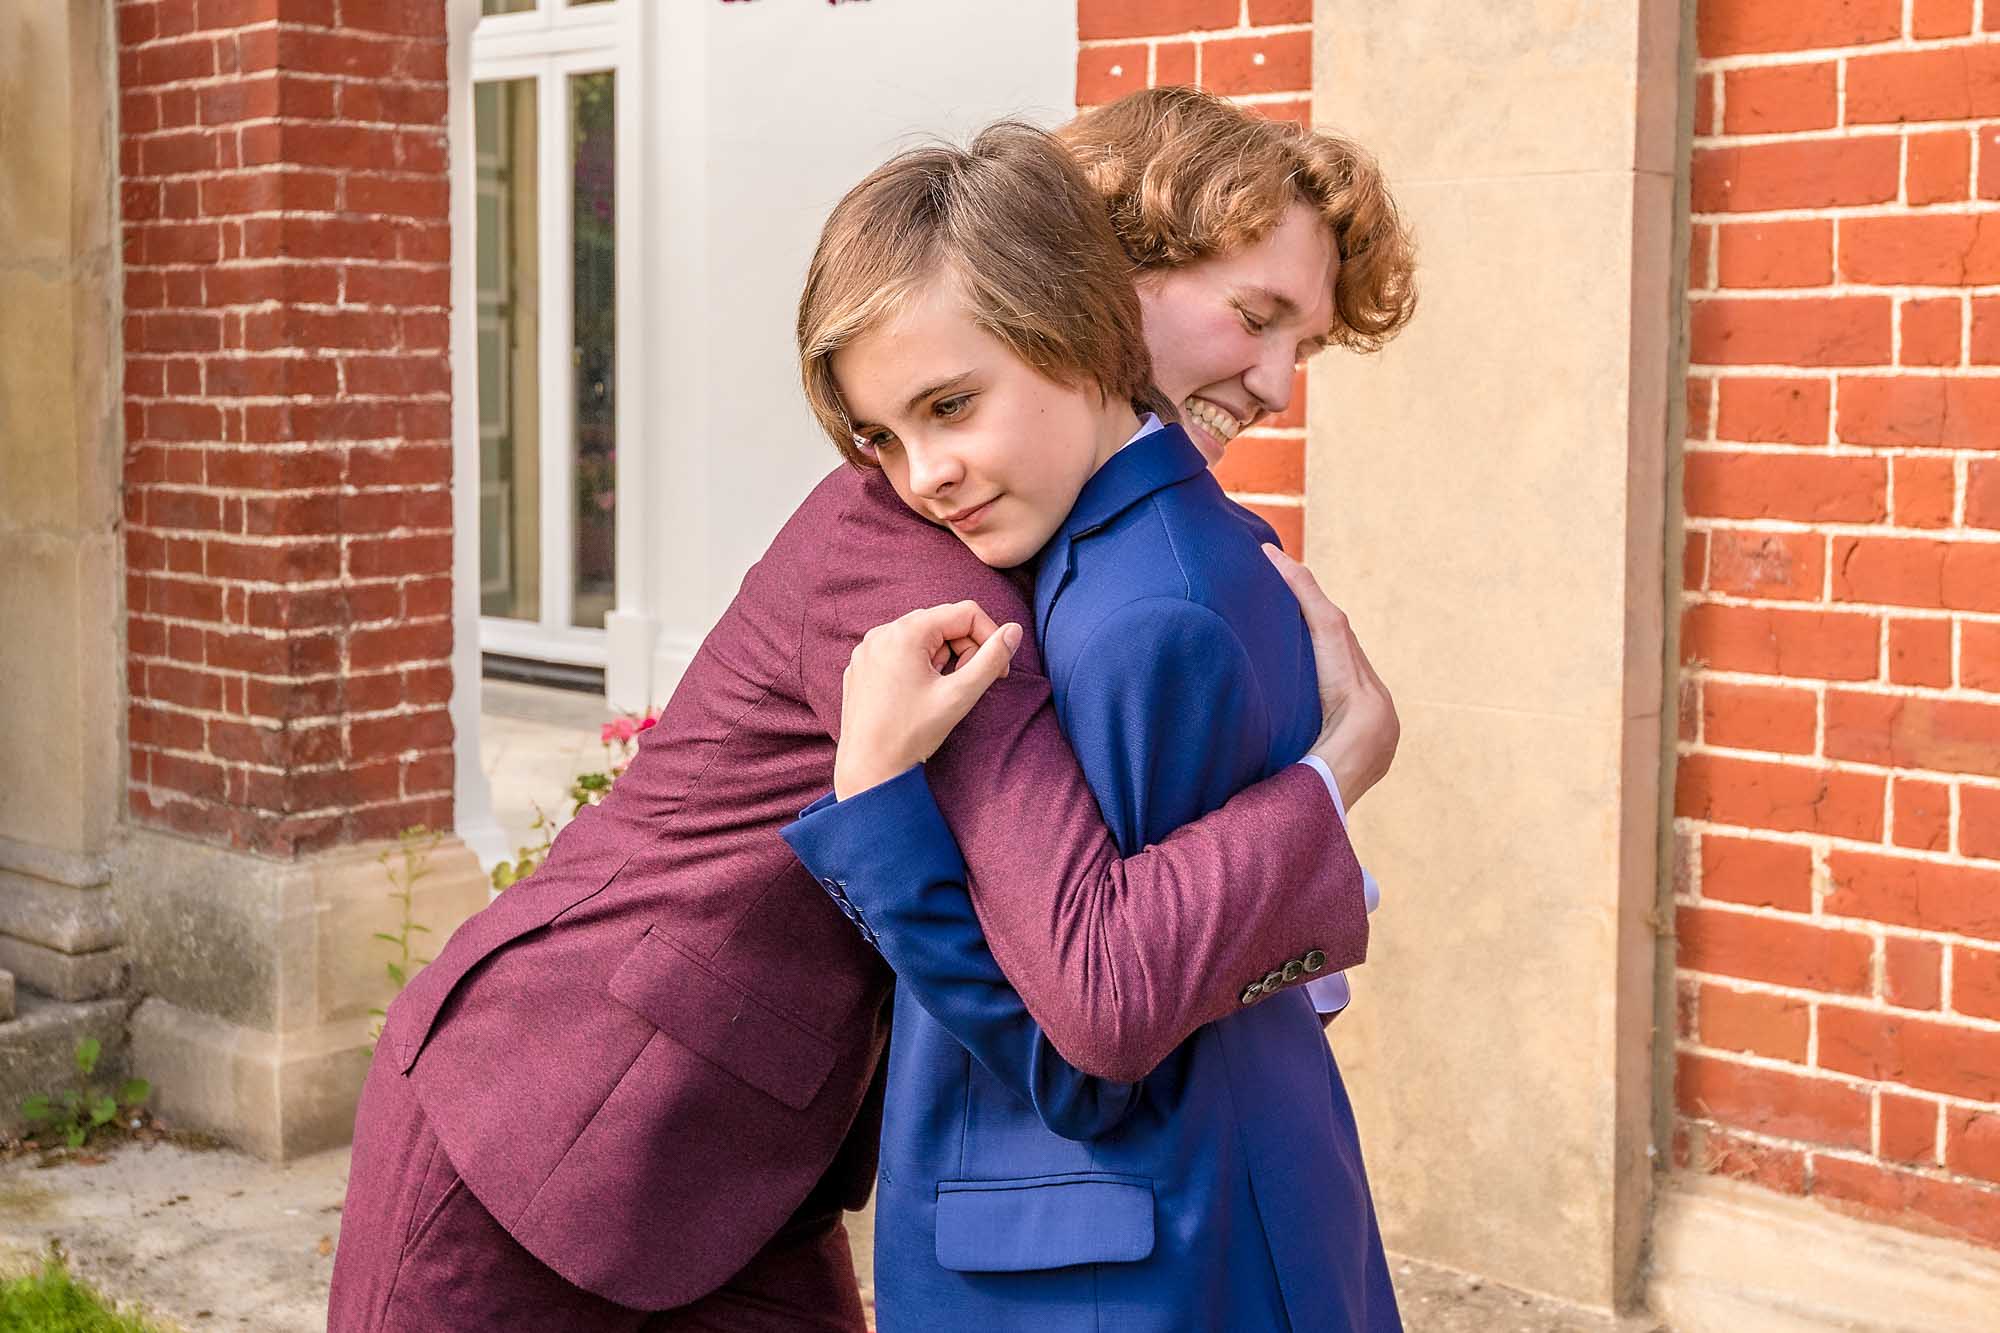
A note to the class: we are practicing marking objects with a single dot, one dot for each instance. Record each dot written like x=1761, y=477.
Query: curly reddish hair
x=1187, y=175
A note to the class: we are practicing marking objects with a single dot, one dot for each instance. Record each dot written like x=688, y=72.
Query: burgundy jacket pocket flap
x=713, y=1016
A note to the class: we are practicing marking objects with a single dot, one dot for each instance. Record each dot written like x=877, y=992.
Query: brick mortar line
x=1907, y=291
x=1830, y=528
x=1837, y=925
x=1894, y=688
x=1837, y=450
x=219, y=128
x=344, y=490
x=175, y=796
x=1778, y=990
x=1821, y=763
x=1887, y=690
x=1821, y=1073
x=1195, y=35
x=319, y=721
x=267, y=585
x=284, y=633
x=1858, y=1082
x=241, y=77
x=1717, y=598
x=278, y=541
x=1867, y=129
x=1826, y=291
x=330, y=766
x=1947, y=1018
x=1822, y=845
x=1814, y=55
x=284, y=351
x=224, y=403
x=261, y=25
x=1935, y=1171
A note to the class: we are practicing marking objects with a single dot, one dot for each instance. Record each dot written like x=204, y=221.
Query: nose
x=1270, y=380
x=934, y=467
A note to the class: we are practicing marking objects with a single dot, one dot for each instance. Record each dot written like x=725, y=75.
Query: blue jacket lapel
x=1165, y=457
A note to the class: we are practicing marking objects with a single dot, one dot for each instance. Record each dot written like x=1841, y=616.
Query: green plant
x=529, y=857
x=51, y=1301
x=405, y=864
x=79, y=1111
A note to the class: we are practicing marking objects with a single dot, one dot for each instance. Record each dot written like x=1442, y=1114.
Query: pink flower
x=605, y=732
x=648, y=721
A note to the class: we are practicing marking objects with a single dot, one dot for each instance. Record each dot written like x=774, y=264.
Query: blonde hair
x=1013, y=224
x=1186, y=175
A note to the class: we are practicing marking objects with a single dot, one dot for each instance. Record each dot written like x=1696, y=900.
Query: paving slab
x=214, y=1239
x=205, y=1239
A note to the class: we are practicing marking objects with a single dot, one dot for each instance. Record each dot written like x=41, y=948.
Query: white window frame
x=548, y=45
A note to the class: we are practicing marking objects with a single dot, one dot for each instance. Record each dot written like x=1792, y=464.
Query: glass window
x=592, y=355
x=506, y=6
x=509, y=340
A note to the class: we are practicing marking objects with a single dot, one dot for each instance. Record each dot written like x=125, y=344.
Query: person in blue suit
x=1225, y=1188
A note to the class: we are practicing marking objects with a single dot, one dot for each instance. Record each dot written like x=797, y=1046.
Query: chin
x=1000, y=551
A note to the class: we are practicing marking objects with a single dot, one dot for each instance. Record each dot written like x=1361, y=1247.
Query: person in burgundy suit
x=638, y=1089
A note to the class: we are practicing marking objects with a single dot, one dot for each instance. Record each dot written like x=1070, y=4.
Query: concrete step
x=38, y=1049
x=6, y=995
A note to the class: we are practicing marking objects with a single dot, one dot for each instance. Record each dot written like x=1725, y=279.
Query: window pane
x=506, y=6
x=592, y=356
x=509, y=333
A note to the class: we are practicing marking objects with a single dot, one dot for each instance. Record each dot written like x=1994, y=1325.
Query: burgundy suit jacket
x=644, y=1056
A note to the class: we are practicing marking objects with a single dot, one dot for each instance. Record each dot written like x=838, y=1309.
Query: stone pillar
x=1486, y=499
x=288, y=540
x=60, y=759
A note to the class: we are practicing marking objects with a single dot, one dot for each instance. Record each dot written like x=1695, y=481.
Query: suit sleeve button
x=1273, y=979
x=1250, y=993
x=1294, y=970
x=1314, y=961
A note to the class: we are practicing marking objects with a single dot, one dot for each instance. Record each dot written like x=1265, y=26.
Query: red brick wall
x=1260, y=53
x=1838, y=802
x=288, y=455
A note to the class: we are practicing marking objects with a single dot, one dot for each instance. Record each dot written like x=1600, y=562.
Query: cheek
x=1205, y=347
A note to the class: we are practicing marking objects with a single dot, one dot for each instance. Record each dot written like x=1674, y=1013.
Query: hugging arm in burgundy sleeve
x=1118, y=959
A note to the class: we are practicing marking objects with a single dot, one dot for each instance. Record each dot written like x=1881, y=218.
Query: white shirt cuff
x=1329, y=994
x=1371, y=892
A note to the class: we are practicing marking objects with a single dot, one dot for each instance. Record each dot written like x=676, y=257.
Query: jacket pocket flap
x=1014, y=1226
x=721, y=1022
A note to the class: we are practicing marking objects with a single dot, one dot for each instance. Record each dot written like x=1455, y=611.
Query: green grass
x=53, y=1302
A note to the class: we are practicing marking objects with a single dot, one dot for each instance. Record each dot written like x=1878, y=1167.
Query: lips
x=967, y=519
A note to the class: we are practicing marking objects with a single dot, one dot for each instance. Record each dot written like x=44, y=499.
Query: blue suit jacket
x=1226, y=1190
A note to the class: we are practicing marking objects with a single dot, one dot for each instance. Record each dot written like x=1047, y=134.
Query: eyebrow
x=917, y=398
x=1285, y=305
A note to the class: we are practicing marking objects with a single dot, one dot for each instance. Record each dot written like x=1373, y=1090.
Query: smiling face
x=968, y=434
x=1226, y=333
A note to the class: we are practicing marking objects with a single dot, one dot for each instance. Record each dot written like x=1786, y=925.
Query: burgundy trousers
x=419, y=1254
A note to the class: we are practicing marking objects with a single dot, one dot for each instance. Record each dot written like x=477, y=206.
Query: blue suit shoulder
x=1186, y=542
